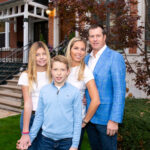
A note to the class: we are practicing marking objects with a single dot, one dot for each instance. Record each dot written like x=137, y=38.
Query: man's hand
x=112, y=128
x=24, y=142
x=72, y=148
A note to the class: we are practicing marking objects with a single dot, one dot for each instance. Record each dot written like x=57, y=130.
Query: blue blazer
x=109, y=74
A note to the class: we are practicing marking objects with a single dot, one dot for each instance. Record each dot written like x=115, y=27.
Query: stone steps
x=12, y=82
x=10, y=108
x=10, y=102
x=11, y=95
x=10, y=88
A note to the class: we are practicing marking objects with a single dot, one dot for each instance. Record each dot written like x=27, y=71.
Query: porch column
x=7, y=34
x=25, y=34
x=56, y=30
x=77, y=25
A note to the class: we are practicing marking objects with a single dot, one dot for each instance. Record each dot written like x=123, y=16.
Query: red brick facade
x=1, y=1
x=13, y=37
x=51, y=31
x=134, y=12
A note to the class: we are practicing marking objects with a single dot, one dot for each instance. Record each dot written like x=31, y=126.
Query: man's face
x=59, y=73
x=96, y=38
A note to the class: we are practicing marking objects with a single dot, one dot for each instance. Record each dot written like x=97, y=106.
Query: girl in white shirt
x=81, y=77
x=32, y=80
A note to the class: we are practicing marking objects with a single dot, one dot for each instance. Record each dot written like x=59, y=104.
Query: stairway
x=8, y=69
x=11, y=95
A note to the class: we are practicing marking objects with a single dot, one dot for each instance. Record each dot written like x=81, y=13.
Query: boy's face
x=59, y=73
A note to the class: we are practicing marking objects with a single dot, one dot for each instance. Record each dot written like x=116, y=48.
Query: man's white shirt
x=93, y=60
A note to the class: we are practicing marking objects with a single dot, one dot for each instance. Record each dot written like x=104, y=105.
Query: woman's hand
x=24, y=142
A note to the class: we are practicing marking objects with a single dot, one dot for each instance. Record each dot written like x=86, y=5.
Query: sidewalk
x=6, y=113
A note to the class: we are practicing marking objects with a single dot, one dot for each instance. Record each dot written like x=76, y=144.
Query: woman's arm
x=25, y=139
x=27, y=108
x=95, y=101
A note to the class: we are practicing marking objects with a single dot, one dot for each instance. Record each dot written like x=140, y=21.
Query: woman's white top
x=41, y=81
x=81, y=85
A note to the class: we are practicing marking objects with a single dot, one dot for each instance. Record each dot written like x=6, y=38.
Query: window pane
x=2, y=27
x=147, y=30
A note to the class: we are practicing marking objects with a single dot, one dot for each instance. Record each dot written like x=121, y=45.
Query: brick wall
x=13, y=37
x=1, y=1
x=51, y=31
x=134, y=12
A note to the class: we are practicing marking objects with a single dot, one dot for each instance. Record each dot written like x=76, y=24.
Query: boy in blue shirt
x=58, y=112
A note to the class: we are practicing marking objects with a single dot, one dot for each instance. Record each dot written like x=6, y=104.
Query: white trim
x=17, y=6
x=6, y=34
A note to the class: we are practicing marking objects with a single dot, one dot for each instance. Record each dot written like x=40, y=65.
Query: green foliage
x=42, y=38
x=134, y=133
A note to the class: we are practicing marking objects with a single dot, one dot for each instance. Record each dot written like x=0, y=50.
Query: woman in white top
x=32, y=80
x=81, y=77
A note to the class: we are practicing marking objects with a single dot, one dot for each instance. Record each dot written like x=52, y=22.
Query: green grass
x=134, y=133
x=9, y=132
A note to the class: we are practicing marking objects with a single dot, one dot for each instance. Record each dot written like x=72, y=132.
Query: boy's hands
x=72, y=148
x=24, y=142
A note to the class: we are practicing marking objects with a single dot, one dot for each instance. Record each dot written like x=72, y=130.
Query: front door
x=41, y=31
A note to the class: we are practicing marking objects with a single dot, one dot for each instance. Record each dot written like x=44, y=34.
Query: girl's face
x=41, y=57
x=78, y=52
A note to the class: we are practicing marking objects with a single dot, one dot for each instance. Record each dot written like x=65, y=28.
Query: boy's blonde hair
x=68, y=55
x=62, y=59
x=32, y=67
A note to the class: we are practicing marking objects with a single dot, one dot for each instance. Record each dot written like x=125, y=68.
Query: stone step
x=11, y=88
x=13, y=95
x=10, y=108
x=16, y=77
x=12, y=82
x=10, y=102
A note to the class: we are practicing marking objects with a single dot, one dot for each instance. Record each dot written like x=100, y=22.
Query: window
x=147, y=26
x=2, y=34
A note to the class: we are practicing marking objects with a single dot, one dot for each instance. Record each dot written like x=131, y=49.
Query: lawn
x=134, y=133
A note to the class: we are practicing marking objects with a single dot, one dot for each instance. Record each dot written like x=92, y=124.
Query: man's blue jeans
x=46, y=143
x=98, y=138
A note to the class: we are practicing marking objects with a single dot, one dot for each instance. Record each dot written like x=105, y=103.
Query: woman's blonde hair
x=68, y=55
x=32, y=67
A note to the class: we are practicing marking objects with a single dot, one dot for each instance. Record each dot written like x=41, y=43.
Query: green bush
x=134, y=133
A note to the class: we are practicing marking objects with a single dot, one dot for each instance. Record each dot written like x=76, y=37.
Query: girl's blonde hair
x=68, y=55
x=32, y=67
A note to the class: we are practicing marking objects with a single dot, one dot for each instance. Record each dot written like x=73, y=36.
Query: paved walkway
x=6, y=113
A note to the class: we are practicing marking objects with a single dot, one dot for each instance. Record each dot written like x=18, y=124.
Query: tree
x=120, y=18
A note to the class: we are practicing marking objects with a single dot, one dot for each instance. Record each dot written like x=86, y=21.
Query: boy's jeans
x=46, y=143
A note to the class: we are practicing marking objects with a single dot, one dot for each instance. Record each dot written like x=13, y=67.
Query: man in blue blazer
x=109, y=71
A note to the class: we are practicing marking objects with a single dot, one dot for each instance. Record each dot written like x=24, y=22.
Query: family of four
x=66, y=95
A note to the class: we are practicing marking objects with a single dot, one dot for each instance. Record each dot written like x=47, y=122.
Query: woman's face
x=41, y=57
x=78, y=52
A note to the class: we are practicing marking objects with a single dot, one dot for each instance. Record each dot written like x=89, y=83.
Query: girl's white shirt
x=81, y=85
x=42, y=80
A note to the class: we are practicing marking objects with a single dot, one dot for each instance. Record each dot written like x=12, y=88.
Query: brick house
x=24, y=21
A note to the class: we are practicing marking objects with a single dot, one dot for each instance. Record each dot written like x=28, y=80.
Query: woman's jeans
x=50, y=144
x=35, y=143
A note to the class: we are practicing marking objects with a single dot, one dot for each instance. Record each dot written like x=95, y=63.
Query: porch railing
x=11, y=60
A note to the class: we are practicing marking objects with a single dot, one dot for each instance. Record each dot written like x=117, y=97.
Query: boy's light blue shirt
x=59, y=113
